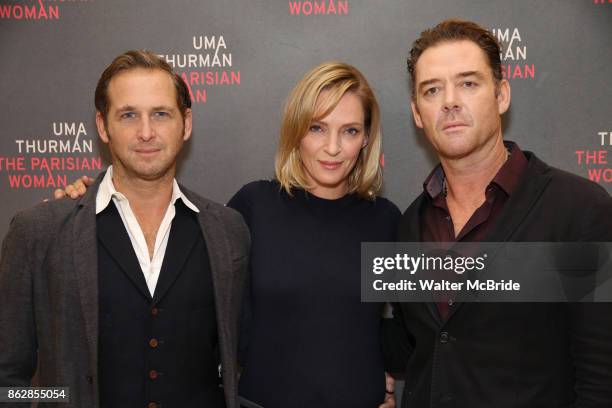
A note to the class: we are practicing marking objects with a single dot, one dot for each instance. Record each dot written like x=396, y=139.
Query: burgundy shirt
x=437, y=224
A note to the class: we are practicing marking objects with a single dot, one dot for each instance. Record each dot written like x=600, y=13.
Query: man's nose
x=451, y=100
x=146, y=131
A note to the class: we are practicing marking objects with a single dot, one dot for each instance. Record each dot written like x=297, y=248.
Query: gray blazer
x=49, y=294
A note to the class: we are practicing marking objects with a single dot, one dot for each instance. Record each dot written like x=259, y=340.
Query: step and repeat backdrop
x=241, y=58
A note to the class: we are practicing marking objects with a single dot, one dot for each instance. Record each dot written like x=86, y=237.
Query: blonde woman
x=310, y=340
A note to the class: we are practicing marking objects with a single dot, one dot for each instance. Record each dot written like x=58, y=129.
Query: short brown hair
x=301, y=109
x=456, y=30
x=139, y=59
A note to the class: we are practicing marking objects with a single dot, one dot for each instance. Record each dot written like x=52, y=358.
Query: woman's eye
x=315, y=128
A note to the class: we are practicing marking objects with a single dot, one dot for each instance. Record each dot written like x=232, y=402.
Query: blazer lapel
x=533, y=184
x=115, y=239
x=183, y=236
x=221, y=269
x=516, y=209
x=219, y=253
x=85, y=259
x=226, y=302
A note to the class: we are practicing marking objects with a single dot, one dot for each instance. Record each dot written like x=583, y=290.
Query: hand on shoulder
x=75, y=190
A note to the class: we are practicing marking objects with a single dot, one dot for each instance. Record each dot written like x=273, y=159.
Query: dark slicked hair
x=139, y=59
x=456, y=30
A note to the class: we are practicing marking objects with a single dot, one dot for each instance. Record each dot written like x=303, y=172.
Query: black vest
x=160, y=349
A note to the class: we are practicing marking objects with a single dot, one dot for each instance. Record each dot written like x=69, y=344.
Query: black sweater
x=311, y=342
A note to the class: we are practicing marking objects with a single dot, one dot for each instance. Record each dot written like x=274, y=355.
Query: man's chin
x=151, y=173
x=454, y=151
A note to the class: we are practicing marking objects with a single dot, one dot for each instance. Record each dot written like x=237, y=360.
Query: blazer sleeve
x=591, y=323
x=18, y=344
x=591, y=349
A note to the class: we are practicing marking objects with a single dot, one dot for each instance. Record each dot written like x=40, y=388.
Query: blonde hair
x=337, y=78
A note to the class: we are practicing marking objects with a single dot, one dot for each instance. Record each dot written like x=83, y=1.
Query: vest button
x=154, y=311
x=153, y=343
x=152, y=405
x=444, y=337
x=153, y=375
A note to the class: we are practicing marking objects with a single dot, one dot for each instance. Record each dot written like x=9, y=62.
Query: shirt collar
x=434, y=183
x=508, y=176
x=107, y=191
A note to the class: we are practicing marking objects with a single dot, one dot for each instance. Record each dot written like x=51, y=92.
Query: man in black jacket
x=487, y=189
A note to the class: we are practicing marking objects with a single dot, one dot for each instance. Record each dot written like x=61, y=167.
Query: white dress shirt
x=150, y=266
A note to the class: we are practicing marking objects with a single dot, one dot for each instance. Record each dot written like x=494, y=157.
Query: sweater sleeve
x=243, y=200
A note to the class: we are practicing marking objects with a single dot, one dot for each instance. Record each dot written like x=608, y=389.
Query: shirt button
x=154, y=311
x=152, y=374
x=153, y=343
x=444, y=337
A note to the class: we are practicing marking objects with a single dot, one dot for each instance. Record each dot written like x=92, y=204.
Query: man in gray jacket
x=130, y=295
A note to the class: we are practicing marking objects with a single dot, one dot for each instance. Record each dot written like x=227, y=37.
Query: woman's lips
x=330, y=165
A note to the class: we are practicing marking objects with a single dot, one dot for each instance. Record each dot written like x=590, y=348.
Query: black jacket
x=519, y=355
